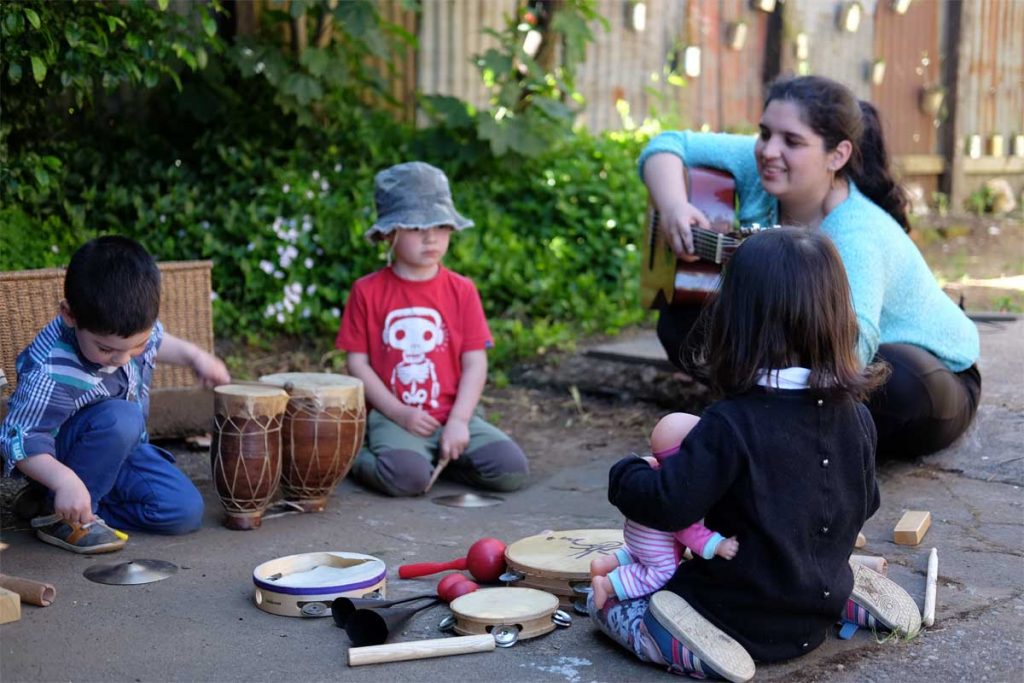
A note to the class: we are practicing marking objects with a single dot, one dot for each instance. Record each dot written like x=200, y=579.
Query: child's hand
x=418, y=421
x=210, y=370
x=454, y=439
x=652, y=461
x=71, y=500
x=728, y=548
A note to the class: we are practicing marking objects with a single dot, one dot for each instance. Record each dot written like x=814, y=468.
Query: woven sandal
x=887, y=602
x=716, y=649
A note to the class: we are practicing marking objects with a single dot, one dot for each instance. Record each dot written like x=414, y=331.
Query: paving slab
x=201, y=623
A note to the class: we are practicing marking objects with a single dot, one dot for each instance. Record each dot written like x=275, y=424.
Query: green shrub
x=225, y=164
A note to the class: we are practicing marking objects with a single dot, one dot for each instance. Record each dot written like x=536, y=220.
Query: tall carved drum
x=323, y=430
x=245, y=453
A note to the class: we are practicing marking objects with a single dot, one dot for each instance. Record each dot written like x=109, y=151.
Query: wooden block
x=861, y=541
x=912, y=527
x=10, y=606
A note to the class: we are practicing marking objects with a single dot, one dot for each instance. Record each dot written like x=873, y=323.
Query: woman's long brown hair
x=785, y=301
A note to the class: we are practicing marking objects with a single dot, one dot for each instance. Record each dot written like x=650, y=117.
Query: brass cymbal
x=469, y=500
x=130, y=573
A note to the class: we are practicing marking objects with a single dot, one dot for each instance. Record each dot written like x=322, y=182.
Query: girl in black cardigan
x=785, y=462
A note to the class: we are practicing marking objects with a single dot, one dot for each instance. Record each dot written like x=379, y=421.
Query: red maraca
x=485, y=560
x=454, y=586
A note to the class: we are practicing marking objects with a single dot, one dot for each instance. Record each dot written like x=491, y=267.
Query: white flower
x=309, y=194
x=280, y=318
x=214, y=296
x=54, y=248
x=278, y=274
x=279, y=306
x=295, y=288
x=310, y=290
x=247, y=52
x=286, y=188
x=308, y=263
x=289, y=306
x=163, y=218
x=267, y=267
x=316, y=175
x=177, y=163
x=268, y=312
x=205, y=225
x=336, y=312
x=305, y=312
x=324, y=185
x=260, y=66
x=337, y=168
x=250, y=246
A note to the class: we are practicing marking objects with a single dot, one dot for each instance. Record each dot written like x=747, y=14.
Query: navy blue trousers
x=134, y=485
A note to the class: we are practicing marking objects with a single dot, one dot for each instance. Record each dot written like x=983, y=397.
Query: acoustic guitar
x=667, y=279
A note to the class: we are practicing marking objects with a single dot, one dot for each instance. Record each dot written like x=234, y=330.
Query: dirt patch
x=980, y=258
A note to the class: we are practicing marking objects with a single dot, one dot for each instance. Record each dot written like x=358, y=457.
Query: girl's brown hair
x=784, y=301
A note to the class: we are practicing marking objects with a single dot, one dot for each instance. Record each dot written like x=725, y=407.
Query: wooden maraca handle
x=411, y=571
x=420, y=649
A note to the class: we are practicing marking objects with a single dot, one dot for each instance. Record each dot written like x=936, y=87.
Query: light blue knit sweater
x=896, y=298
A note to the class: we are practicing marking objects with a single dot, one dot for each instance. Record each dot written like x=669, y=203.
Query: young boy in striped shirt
x=651, y=557
x=76, y=423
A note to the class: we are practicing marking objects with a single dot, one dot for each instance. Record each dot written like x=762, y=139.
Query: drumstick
x=929, y=591
x=420, y=649
x=441, y=464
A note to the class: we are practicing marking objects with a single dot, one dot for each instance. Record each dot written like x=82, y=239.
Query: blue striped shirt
x=55, y=381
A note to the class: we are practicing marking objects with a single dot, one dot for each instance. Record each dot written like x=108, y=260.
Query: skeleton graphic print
x=416, y=332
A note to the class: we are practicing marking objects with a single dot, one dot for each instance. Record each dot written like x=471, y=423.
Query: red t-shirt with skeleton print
x=415, y=333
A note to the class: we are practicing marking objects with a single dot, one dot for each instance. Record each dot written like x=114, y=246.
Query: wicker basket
x=29, y=299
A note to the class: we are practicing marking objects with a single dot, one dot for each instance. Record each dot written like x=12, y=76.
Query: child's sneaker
x=698, y=648
x=88, y=539
x=890, y=605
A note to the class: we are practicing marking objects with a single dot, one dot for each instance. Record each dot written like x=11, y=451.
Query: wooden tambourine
x=305, y=585
x=509, y=614
x=559, y=562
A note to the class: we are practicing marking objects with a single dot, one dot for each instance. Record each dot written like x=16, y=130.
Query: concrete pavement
x=201, y=624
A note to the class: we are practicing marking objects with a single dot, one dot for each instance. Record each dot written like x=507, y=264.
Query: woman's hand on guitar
x=675, y=223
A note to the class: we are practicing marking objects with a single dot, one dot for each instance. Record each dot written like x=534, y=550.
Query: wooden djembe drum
x=245, y=453
x=323, y=429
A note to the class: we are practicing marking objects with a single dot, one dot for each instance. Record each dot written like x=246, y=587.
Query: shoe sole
x=91, y=550
x=714, y=648
x=886, y=601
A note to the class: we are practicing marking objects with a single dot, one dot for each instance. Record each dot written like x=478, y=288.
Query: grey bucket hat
x=414, y=196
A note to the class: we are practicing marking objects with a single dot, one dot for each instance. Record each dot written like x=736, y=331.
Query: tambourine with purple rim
x=305, y=585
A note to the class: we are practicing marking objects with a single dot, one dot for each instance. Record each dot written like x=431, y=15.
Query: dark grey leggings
x=496, y=466
x=924, y=406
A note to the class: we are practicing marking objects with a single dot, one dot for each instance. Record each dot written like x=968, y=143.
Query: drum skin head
x=527, y=609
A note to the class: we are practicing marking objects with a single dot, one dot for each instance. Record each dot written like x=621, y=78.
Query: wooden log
x=912, y=527
x=420, y=649
x=10, y=606
x=32, y=592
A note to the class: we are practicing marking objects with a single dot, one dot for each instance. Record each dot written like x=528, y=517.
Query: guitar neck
x=713, y=246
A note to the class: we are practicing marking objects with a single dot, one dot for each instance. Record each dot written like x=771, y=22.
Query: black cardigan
x=793, y=478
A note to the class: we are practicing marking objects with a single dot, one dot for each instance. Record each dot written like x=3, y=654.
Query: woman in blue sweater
x=820, y=162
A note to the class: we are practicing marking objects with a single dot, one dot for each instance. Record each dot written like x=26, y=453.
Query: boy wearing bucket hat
x=416, y=335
